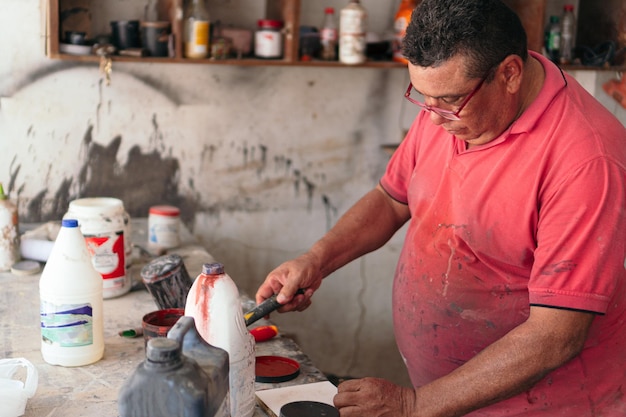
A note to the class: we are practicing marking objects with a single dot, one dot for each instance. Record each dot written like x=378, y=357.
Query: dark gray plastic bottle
x=166, y=384
x=213, y=360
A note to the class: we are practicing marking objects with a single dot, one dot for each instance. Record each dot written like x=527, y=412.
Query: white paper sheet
x=272, y=400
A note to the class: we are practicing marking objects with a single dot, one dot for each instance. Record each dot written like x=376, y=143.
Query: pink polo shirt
x=535, y=217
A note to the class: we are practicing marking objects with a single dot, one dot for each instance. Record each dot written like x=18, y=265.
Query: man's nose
x=435, y=118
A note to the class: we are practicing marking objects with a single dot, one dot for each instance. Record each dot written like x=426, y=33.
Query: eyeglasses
x=446, y=114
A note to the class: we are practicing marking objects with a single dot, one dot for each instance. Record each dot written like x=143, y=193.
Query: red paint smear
x=204, y=292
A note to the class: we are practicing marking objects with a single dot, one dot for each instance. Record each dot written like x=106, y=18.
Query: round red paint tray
x=273, y=369
x=308, y=409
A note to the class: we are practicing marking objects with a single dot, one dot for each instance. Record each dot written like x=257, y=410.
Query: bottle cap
x=69, y=223
x=26, y=268
x=162, y=349
x=270, y=24
x=569, y=7
x=329, y=10
x=170, y=211
x=275, y=369
x=215, y=268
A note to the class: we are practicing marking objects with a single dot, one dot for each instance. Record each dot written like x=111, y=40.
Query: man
x=509, y=296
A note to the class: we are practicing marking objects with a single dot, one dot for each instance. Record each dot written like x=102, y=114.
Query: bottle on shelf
x=196, y=30
x=328, y=36
x=552, y=41
x=71, y=306
x=10, y=242
x=568, y=35
x=213, y=301
x=352, y=30
x=401, y=21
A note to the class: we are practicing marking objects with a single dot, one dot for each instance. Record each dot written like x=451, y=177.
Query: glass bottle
x=553, y=38
x=568, y=35
x=328, y=36
x=196, y=30
x=352, y=24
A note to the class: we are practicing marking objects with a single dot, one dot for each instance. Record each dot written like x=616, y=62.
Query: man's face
x=486, y=108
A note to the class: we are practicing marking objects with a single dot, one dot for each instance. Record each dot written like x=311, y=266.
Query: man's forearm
x=509, y=366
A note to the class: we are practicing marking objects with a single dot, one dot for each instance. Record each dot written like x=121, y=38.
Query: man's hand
x=374, y=397
x=301, y=272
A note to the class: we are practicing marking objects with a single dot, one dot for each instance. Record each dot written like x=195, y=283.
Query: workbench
x=92, y=390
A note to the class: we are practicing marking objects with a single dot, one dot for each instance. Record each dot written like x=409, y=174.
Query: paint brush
x=265, y=308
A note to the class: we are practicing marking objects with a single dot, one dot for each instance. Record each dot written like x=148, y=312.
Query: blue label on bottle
x=66, y=325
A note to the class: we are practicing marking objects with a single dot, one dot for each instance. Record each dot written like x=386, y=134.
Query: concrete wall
x=261, y=160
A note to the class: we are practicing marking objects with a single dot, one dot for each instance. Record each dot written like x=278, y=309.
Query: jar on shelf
x=268, y=39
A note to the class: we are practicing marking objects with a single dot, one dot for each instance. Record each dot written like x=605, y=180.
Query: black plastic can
x=166, y=384
x=167, y=280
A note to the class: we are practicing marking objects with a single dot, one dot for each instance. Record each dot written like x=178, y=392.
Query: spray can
x=10, y=237
x=70, y=290
x=106, y=229
x=167, y=280
x=213, y=301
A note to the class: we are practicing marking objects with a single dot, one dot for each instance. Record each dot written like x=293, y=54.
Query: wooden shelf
x=288, y=10
x=530, y=11
x=240, y=62
x=281, y=62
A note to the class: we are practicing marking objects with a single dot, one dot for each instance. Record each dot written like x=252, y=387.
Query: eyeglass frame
x=448, y=114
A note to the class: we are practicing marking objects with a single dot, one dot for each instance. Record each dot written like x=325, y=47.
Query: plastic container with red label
x=164, y=227
x=106, y=227
x=268, y=39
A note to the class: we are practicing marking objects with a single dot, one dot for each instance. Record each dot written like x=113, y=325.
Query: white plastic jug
x=15, y=393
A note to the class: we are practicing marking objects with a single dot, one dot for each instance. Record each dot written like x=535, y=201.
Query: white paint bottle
x=105, y=226
x=163, y=227
x=9, y=235
x=352, y=28
x=213, y=301
x=71, y=306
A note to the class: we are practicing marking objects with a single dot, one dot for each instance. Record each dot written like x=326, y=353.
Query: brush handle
x=265, y=308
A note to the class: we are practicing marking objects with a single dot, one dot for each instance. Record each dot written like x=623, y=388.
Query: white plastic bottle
x=352, y=24
x=213, y=301
x=70, y=290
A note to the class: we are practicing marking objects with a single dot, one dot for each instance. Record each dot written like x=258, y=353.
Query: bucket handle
x=8, y=367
